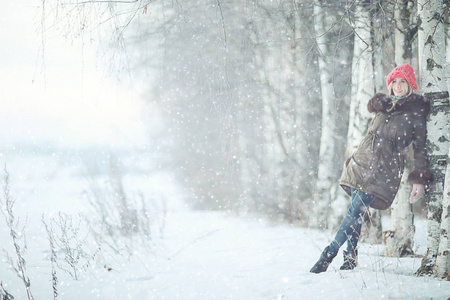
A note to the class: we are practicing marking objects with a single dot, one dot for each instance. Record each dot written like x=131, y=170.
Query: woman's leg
x=365, y=200
x=350, y=228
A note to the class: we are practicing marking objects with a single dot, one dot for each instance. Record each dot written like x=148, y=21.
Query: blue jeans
x=350, y=228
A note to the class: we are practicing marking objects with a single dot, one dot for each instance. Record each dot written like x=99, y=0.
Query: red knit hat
x=404, y=71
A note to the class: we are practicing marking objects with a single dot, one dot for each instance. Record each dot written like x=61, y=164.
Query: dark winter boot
x=350, y=260
x=324, y=261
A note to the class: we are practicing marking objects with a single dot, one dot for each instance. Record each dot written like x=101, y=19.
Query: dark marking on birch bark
x=431, y=64
x=443, y=139
x=429, y=40
x=436, y=95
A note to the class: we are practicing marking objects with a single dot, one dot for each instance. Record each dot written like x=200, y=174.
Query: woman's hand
x=417, y=192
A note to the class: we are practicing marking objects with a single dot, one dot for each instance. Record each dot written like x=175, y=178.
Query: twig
x=16, y=235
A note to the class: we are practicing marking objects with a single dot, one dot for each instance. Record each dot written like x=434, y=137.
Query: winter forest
x=225, y=184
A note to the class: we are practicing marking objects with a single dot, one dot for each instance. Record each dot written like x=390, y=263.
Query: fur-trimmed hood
x=414, y=103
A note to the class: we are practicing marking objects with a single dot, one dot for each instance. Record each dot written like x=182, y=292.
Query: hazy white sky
x=62, y=97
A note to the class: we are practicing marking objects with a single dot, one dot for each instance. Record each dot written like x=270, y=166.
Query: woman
x=373, y=173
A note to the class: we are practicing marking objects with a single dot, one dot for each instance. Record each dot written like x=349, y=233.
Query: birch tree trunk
x=447, y=47
x=443, y=258
x=291, y=111
x=326, y=173
x=269, y=146
x=401, y=240
x=363, y=88
x=307, y=105
x=442, y=268
x=431, y=62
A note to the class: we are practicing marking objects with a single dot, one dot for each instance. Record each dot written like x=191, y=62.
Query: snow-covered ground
x=199, y=255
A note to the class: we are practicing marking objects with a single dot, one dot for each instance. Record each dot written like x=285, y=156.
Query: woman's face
x=400, y=87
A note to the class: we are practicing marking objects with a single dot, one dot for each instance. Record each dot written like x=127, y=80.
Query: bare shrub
x=17, y=235
x=120, y=218
x=53, y=259
x=69, y=245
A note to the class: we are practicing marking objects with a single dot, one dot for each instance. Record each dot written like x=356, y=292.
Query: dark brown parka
x=377, y=166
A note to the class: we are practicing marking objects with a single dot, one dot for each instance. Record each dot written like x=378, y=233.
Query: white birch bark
x=326, y=175
x=303, y=85
x=447, y=47
x=363, y=87
x=431, y=61
x=401, y=241
x=443, y=256
x=291, y=109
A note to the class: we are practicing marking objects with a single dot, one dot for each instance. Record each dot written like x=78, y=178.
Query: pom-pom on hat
x=404, y=71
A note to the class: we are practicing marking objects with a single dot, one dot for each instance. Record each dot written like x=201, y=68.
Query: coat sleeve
x=379, y=102
x=421, y=173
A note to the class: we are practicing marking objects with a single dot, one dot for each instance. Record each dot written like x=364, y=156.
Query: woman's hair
x=391, y=92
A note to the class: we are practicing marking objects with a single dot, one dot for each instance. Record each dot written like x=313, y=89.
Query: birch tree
x=334, y=40
x=363, y=88
x=297, y=56
x=326, y=174
x=431, y=62
x=284, y=79
x=401, y=240
x=309, y=105
x=443, y=260
x=442, y=268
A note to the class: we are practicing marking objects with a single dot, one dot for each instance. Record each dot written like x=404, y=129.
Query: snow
x=200, y=254
x=196, y=254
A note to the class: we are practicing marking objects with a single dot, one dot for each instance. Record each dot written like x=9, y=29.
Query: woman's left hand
x=417, y=192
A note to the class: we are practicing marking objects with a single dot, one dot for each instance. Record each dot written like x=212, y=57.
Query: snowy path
x=217, y=256
x=212, y=255
x=202, y=255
